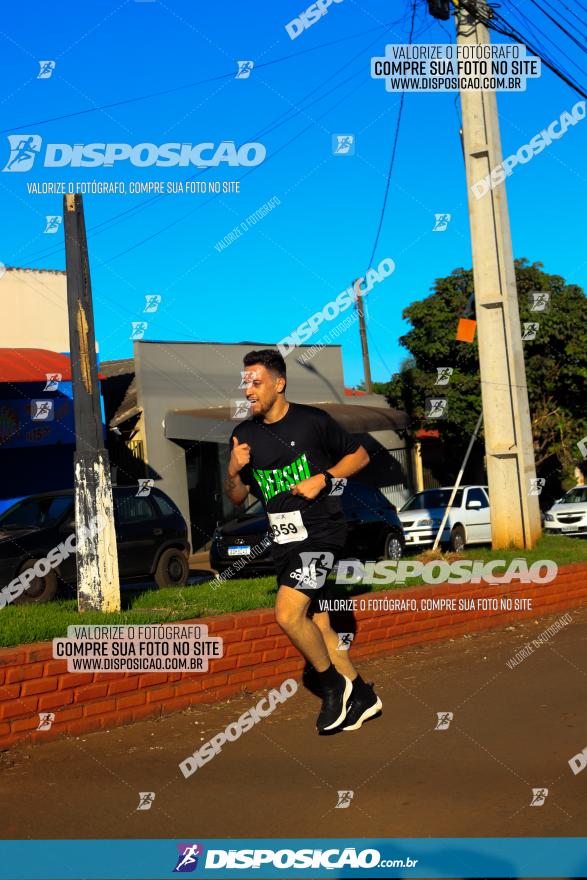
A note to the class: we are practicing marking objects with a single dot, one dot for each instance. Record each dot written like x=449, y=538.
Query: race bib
x=287, y=527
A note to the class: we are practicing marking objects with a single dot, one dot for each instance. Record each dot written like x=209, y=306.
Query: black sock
x=358, y=683
x=330, y=678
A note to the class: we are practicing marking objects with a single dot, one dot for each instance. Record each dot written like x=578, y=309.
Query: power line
x=246, y=174
x=362, y=322
x=565, y=31
x=566, y=20
x=393, y=152
x=496, y=22
x=191, y=85
x=572, y=11
x=282, y=119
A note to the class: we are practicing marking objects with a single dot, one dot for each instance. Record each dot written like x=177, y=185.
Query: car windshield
x=433, y=498
x=36, y=512
x=577, y=495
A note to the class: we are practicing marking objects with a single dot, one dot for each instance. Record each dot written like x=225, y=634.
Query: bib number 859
x=283, y=529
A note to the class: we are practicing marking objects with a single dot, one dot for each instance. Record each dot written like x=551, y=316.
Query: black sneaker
x=362, y=705
x=334, y=705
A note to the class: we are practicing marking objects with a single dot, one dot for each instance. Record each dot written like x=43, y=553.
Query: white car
x=569, y=515
x=468, y=520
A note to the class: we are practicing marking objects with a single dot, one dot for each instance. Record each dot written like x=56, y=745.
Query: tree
x=556, y=366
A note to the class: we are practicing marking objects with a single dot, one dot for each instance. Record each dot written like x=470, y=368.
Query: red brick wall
x=256, y=655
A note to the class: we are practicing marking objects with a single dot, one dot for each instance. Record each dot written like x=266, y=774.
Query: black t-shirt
x=305, y=442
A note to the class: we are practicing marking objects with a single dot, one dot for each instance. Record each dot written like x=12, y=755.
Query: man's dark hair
x=268, y=358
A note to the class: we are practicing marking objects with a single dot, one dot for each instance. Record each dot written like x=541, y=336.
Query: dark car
x=374, y=531
x=150, y=531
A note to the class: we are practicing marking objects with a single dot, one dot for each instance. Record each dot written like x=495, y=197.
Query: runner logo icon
x=444, y=719
x=343, y=145
x=338, y=486
x=46, y=69
x=539, y=795
x=24, y=149
x=244, y=69
x=344, y=800
x=314, y=570
x=187, y=861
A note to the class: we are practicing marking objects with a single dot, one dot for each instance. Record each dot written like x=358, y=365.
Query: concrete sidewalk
x=513, y=730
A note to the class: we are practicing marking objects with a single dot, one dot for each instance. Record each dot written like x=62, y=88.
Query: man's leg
x=364, y=702
x=291, y=608
x=291, y=613
x=341, y=659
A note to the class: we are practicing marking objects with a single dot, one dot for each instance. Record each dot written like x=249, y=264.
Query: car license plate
x=244, y=550
x=569, y=529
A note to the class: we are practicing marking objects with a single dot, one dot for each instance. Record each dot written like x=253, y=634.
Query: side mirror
x=474, y=505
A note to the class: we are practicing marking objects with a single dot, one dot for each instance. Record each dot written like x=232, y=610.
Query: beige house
x=33, y=309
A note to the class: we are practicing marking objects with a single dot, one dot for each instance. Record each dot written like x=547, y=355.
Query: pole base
x=97, y=555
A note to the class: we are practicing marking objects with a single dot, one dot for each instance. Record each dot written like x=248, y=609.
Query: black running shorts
x=307, y=566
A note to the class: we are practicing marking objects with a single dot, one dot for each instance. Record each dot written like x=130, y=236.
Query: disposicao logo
x=24, y=149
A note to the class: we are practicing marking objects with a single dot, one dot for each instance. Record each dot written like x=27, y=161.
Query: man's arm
x=348, y=465
x=240, y=455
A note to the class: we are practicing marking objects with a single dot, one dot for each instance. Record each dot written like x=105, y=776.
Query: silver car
x=568, y=516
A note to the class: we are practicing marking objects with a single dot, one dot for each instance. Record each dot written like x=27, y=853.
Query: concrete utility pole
x=515, y=514
x=97, y=556
x=363, y=332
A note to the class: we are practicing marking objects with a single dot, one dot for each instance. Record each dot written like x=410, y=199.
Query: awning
x=215, y=424
x=33, y=365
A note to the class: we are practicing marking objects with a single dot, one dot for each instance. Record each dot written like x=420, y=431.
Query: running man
x=288, y=454
x=23, y=151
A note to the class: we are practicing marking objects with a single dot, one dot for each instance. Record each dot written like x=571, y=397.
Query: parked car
x=468, y=520
x=150, y=531
x=374, y=531
x=568, y=516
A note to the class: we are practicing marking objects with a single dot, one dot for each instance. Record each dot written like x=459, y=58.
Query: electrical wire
x=273, y=154
x=495, y=21
x=393, y=152
x=572, y=11
x=388, y=183
x=174, y=89
x=282, y=119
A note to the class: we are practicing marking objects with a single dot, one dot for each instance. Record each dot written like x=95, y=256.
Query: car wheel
x=393, y=546
x=40, y=589
x=172, y=568
x=457, y=539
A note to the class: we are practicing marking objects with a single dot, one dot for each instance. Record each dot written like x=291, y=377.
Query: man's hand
x=240, y=455
x=310, y=488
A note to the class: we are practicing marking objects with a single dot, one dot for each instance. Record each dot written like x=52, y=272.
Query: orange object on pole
x=466, y=330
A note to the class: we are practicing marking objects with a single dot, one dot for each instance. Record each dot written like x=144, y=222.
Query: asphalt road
x=513, y=730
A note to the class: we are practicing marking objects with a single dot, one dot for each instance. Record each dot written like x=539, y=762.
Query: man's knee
x=289, y=614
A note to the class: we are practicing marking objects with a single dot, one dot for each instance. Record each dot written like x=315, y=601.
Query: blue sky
x=320, y=236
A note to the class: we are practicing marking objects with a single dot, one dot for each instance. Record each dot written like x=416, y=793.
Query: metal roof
x=33, y=365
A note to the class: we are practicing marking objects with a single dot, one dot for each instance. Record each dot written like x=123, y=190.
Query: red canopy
x=33, y=364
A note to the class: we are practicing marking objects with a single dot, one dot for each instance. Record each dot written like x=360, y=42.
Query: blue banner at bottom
x=227, y=859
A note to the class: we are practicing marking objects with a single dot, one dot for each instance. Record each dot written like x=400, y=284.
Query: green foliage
x=556, y=364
